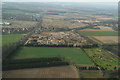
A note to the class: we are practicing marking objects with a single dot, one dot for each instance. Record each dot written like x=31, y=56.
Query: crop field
x=49, y=72
x=10, y=38
x=105, y=39
x=99, y=33
x=103, y=58
x=105, y=18
x=91, y=74
x=63, y=20
x=17, y=12
x=105, y=28
x=87, y=29
x=61, y=23
x=74, y=54
x=98, y=74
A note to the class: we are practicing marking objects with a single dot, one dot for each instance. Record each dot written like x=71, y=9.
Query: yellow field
x=107, y=39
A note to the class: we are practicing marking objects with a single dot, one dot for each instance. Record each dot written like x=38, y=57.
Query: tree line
x=33, y=63
x=62, y=45
x=88, y=68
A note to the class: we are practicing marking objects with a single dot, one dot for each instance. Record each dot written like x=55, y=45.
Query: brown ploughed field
x=48, y=72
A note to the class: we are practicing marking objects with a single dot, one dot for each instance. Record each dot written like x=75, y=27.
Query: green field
x=103, y=58
x=10, y=38
x=74, y=54
x=99, y=33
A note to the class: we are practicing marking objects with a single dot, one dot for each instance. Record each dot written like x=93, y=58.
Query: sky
x=60, y=0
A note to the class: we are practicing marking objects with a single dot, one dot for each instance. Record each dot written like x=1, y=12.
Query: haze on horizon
x=60, y=1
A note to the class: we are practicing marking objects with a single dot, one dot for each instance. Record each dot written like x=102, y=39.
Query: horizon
x=116, y=1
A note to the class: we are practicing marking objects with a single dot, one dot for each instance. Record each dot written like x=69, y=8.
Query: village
x=56, y=38
x=16, y=30
x=96, y=22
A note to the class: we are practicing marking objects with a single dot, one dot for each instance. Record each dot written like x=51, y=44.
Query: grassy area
x=75, y=54
x=103, y=58
x=10, y=38
x=99, y=33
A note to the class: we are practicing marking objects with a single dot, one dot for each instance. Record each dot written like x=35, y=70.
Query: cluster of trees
x=89, y=26
x=32, y=63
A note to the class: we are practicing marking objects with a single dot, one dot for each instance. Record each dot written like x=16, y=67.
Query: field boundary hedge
x=60, y=45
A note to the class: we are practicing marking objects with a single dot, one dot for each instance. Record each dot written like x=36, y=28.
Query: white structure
x=4, y=23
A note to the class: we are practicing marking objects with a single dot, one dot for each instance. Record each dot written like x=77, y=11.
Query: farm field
x=103, y=58
x=74, y=54
x=10, y=38
x=87, y=29
x=105, y=28
x=13, y=12
x=61, y=23
x=91, y=74
x=96, y=74
x=99, y=33
x=50, y=72
x=105, y=39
